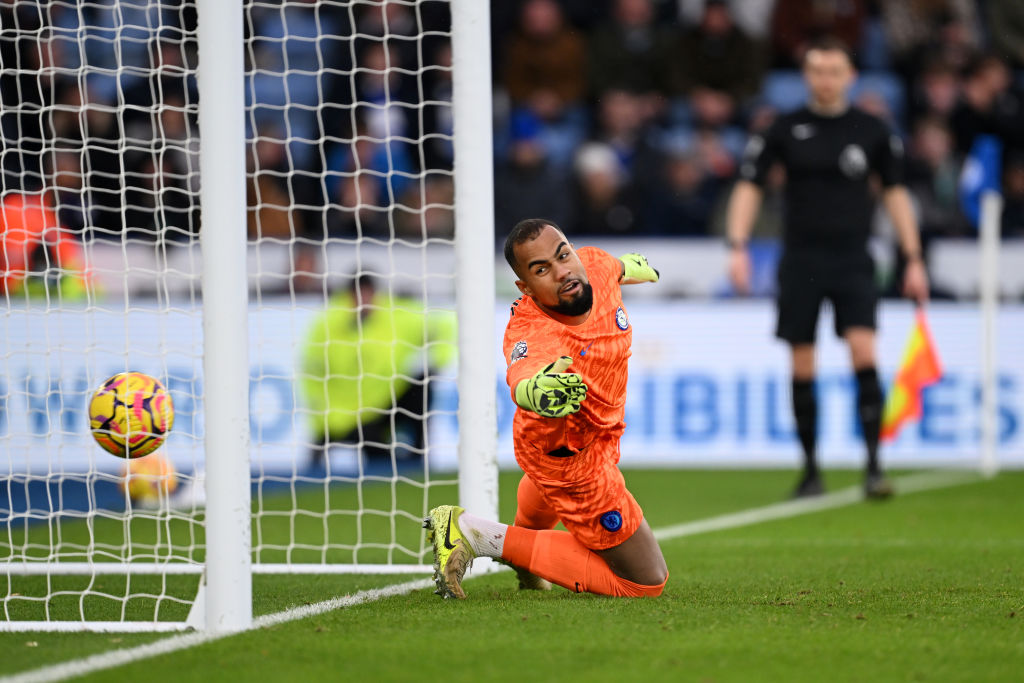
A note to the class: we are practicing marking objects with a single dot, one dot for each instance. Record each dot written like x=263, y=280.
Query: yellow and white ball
x=131, y=414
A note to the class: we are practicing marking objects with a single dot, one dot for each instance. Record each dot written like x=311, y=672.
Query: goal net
x=352, y=273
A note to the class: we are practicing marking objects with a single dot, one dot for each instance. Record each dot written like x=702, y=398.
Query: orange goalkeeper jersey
x=600, y=350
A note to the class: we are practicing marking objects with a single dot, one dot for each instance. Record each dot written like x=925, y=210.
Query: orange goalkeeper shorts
x=586, y=490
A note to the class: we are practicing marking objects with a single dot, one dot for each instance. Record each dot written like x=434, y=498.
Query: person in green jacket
x=366, y=368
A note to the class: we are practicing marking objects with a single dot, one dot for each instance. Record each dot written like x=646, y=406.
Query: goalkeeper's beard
x=578, y=305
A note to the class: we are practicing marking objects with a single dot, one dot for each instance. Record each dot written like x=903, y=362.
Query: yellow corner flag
x=919, y=368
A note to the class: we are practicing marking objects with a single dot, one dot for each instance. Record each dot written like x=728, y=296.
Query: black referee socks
x=869, y=409
x=805, y=412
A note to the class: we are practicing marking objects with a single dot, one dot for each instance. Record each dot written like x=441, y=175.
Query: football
x=131, y=414
x=149, y=479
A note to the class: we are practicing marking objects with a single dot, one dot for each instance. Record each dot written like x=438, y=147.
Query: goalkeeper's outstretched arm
x=552, y=392
x=636, y=269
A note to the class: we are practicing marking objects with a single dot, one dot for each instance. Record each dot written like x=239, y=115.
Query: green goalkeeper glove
x=637, y=269
x=552, y=392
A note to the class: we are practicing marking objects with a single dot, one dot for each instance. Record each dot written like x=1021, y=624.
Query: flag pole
x=991, y=211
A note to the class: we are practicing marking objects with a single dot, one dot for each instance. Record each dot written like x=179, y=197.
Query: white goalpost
x=227, y=581
x=316, y=421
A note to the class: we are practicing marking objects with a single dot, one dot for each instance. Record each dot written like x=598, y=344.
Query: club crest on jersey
x=518, y=352
x=611, y=520
x=620, y=319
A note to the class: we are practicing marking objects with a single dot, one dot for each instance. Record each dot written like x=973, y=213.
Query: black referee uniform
x=829, y=163
x=828, y=209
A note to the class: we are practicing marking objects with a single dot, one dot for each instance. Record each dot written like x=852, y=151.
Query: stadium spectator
x=104, y=167
x=271, y=210
x=544, y=70
x=384, y=95
x=830, y=152
x=797, y=23
x=718, y=150
x=73, y=211
x=621, y=126
x=365, y=176
x=754, y=17
x=38, y=256
x=932, y=177
x=921, y=30
x=394, y=24
x=428, y=209
x=27, y=83
x=170, y=79
x=545, y=62
x=161, y=201
x=720, y=66
x=527, y=180
x=605, y=203
x=115, y=39
x=159, y=207
x=1013, y=196
x=988, y=104
x=566, y=431
x=1006, y=28
x=437, y=117
x=632, y=52
x=685, y=201
x=935, y=91
x=366, y=366
x=290, y=47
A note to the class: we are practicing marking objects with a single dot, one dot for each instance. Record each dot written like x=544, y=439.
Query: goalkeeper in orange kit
x=567, y=344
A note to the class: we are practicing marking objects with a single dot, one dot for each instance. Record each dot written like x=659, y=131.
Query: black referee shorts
x=806, y=279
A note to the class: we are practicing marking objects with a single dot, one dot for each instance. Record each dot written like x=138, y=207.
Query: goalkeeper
x=567, y=344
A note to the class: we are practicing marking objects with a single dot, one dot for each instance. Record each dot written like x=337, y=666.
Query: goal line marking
x=112, y=658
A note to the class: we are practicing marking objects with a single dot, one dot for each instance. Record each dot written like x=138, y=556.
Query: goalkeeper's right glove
x=635, y=269
x=552, y=392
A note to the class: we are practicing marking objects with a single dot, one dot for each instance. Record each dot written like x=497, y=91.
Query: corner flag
x=919, y=368
x=981, y=171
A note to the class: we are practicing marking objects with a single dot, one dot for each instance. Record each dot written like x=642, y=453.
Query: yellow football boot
x=452, y=553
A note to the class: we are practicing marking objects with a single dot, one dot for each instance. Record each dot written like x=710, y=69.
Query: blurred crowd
x=612, y=117
x=630, y=116
x=348, y=117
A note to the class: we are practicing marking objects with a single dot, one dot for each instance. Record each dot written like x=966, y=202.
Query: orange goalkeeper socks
x=558, y=557
x=553, y=555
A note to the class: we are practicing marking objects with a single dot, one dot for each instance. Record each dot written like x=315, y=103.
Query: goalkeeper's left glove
x=637, y=269
x=552, y=392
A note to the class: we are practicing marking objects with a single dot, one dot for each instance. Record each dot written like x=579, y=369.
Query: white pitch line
x=107, y=660
x=848, y=496
x=802, y=506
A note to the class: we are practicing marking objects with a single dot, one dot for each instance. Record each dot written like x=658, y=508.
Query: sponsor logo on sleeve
x=518, y=352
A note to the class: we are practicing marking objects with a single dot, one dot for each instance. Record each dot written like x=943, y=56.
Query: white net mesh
x=352, y=396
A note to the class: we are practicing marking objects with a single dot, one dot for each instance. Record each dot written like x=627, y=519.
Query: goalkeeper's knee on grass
x=552, y=392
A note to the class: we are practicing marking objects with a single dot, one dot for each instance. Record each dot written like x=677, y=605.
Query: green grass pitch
x=925, y=587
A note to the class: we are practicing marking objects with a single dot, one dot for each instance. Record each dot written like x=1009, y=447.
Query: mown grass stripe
x=848, y=496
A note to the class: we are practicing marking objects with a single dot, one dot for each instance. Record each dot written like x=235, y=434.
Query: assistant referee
x=831, y=152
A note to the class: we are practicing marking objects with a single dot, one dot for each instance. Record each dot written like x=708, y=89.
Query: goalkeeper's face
x=553, y=275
